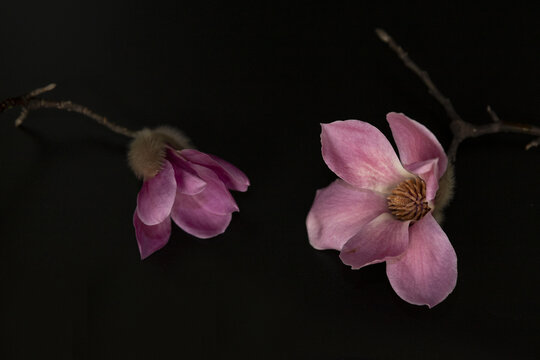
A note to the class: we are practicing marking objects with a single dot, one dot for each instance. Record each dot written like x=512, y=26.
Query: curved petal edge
x=151, y=238
x=361, y=155
x=379, y=240
x=415, y=142
x=338, y=212
x=427, y=272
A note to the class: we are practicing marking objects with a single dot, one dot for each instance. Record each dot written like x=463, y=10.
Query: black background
x=251, y=83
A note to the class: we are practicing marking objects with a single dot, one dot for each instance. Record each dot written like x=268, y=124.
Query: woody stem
x=30, y=101
x=461, y=129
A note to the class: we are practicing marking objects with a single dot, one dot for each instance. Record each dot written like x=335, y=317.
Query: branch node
x=30, y=101
x=461, y=129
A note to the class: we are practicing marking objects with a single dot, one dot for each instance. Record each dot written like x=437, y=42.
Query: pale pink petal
x=415, y=142
x=382, y=238
x=215, y=197
x=151, y=238
x=361, y=155
x=187, y=180
x=427, y=170
x=339, y=211
x=427, y=271
x=156, y=197
x=231, y=176
x=194, y=219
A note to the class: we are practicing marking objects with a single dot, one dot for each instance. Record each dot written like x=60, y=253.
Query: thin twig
x=493, y=115
x=22, y=116
x=460, y=129
x=30, y=102
x=40, y=91
x=534, y=143
x=423, y=75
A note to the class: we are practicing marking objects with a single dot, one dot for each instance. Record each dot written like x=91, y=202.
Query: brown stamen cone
x=408, y=200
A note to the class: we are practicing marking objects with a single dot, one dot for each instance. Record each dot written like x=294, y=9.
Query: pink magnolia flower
x=187, y=186
x=381, y=208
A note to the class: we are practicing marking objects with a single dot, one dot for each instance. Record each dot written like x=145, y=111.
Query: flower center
x=408, y=200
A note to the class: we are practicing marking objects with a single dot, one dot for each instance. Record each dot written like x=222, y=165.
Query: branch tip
x=383, y=35
x=49, y=87
x=22, y=116
x=532, y=144
x=40, y=91
x=493, y=115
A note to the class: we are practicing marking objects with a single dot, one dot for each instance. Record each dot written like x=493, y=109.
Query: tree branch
x=30, y=101
x=460, y=129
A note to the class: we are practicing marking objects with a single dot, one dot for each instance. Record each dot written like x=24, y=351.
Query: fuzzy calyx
x=147, y=151
x=445, y=193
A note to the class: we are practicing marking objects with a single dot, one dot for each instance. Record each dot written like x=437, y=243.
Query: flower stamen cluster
x=408, y=200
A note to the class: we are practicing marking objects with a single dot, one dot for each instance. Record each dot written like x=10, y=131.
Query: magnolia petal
x=415, y=142
x=428, y=171
x=361, y=155
x=156, y=196
x=194, y=219
x=231, y=176
x=151, y=238
x=187, y=180
x=215, y=197
x=338, y=212
x=427, y=271
x=381, y=239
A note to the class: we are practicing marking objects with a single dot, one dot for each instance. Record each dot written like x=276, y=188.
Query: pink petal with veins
x=381, y=239
x=189, y=214
x=415, y=142
x=215, y=197
x=339, y=211
x=361, y=155
x=187, y=180
x=156, y=196
x=231, y=176
x=151, y=238
x=428, y=171
x=427, y=271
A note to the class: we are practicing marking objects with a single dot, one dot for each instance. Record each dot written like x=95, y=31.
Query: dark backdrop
x=251, y=84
